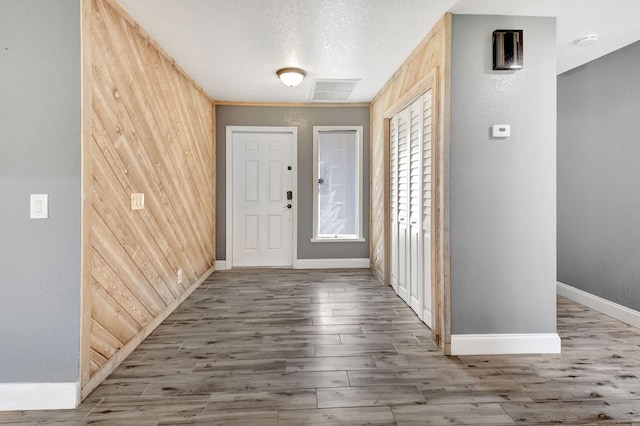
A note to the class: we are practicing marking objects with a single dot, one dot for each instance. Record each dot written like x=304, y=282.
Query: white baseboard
x=614, y=310
x=331, y=263
x=221, y=265
x=502, y=344
x=39, y=396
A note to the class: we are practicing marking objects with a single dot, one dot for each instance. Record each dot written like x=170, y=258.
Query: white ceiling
x=233, y=48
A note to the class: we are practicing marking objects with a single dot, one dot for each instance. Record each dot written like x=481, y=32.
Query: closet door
x=415, y=207
x=393, y=194
x=410, y=203
x=403, y=204
x=426, y=205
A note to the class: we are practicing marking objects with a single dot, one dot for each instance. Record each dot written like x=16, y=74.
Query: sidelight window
x=337, y=174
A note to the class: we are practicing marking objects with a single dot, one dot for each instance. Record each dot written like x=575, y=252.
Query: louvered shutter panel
x=415, y=160
x=427, y=160
x=393, y=190
x=403, y=166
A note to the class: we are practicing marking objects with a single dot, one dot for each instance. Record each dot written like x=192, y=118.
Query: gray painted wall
x=40, y=153
x=599, y=177
x=503, y=192
x=304, y=118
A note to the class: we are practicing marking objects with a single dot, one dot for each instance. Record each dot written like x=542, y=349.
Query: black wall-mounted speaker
x=507, y=50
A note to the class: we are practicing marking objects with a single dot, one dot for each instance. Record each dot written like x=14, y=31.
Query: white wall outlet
x=39, y=207
x=180, y=276
x=137, y=201
x=501, y=130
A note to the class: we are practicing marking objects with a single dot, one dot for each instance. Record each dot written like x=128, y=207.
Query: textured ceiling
x=233, y=48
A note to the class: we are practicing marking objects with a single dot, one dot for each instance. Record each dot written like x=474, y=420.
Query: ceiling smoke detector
x=587, y=40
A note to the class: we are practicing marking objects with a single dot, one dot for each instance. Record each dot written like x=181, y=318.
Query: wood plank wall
x=430, y=60
x=152, y=131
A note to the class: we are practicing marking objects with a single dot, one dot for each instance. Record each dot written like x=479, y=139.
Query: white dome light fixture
x=587, y=40
x=291, y=76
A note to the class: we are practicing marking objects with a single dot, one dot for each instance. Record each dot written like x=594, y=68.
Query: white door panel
x=403, y=255
x=426, y=273
x=403, y=205
x=393, y=194
x=262, y=231
x=275, y=232
x=426, y=207
x=415, y=207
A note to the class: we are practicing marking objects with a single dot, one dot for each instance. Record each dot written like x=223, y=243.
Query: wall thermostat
x=501, y=130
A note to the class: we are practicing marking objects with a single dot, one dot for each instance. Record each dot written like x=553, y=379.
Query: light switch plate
x=501, y=130
x=137, y=201
x=39, y=207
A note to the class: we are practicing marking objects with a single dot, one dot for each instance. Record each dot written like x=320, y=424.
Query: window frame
x=359, y=132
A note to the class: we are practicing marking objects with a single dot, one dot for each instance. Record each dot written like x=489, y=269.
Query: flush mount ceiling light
x=586, y=40
x=291, y=76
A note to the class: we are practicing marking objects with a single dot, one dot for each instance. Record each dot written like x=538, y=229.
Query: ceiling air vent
x=332, y=90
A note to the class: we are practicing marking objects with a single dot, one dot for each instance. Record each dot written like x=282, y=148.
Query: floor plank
x=330, y=363
x=462, y=414
x=292, y=399
x=369, y=396
x=568, y=412
x=378, y=416
x=336, y=347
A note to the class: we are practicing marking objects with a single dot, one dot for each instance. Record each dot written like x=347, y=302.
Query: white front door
x=263, y=175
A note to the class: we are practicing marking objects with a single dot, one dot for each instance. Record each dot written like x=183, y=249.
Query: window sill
x=338, y=240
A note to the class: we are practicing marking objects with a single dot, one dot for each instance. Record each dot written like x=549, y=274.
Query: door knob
x=288, y=206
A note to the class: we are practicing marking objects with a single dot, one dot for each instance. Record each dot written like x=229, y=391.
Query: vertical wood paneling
x=428, y=61
x=152, y=131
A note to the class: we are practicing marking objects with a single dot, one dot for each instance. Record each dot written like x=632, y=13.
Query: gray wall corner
x=599, y=177
x=503, y=190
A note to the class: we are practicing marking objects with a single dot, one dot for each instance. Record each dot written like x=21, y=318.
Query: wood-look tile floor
x=291, y=347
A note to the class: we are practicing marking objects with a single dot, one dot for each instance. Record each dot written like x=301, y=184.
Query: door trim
x=230, y=130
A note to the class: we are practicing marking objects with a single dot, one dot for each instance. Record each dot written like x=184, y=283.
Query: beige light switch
x=39, y=206
x=137, y=201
